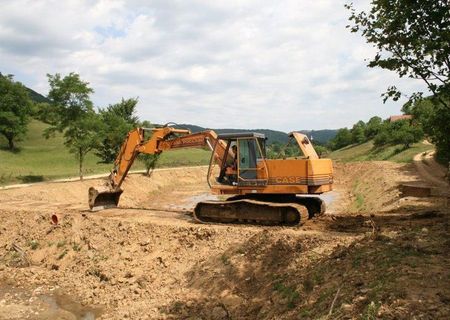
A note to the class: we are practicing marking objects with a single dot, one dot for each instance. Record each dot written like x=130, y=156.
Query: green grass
x=371, y=311
x=358, y=203
x=62, y=254
x=185, y=157
x=225, y=260
x=366, y=152
x=33, y=244
x=287, y=292
x=39, y=159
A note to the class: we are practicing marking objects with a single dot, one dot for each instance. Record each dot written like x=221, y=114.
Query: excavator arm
x=162, y=139
x=136, y=143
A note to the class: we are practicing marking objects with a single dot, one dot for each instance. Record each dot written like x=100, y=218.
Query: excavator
x=255, y=189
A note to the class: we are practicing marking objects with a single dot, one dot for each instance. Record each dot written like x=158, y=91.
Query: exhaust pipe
x=103, y=198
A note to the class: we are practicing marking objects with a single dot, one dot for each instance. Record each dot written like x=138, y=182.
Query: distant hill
x=272, y=135
x=34, y=96
x=322, y=136
x=191, y=127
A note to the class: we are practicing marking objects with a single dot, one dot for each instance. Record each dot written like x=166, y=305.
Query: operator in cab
x=228, y=174
x=231, y=170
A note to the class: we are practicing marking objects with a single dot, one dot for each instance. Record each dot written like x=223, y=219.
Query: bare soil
x=373, y=255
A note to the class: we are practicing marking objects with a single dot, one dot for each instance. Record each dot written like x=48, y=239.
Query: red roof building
x=400, y=117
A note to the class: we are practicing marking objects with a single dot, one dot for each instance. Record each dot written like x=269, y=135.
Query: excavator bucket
x=103, y=198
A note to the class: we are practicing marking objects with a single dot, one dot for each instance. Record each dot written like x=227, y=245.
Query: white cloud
x=281, y=65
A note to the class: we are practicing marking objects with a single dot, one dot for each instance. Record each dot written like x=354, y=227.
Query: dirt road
x=432, y=172
x=373, y=254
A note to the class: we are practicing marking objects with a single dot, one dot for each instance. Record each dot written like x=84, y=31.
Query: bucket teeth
x=103, y=198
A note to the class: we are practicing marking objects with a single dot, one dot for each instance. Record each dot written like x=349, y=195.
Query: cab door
x=250, y=162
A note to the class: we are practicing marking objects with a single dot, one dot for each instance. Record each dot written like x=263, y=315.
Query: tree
x=70, y=100
x=117, y=120
x=149, y=160
x=358, y=132
x=435, y=120
x=382, y=138
x=273, y=150
x=46, y=112
x=412, y=38
x=373, y=126
x=342, y=139
x=82, y=136
x=126, y=109
x=15, y=110
x=320, y=149
x=399, y=132
x=406, y=134
x=71, y=111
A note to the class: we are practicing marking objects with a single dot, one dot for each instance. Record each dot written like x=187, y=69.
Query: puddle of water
x=191, y=201
x=60, y=301
x=50, y=305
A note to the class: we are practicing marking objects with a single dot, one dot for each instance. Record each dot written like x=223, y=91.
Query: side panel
x=320, y=172
x=287, y=171
x=299, y=176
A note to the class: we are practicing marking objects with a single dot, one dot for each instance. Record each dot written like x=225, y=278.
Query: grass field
x=40, y=159
x=366, y=152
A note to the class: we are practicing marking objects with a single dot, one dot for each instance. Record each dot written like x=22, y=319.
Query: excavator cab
x=244, y=163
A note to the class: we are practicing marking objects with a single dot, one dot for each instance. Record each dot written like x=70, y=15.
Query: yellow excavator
x=261, y=191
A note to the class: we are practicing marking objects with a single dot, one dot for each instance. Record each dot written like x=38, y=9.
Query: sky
x=282, y=65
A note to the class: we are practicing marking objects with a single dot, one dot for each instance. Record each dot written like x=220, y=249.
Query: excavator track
x=314, y=205
x=248, y=211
